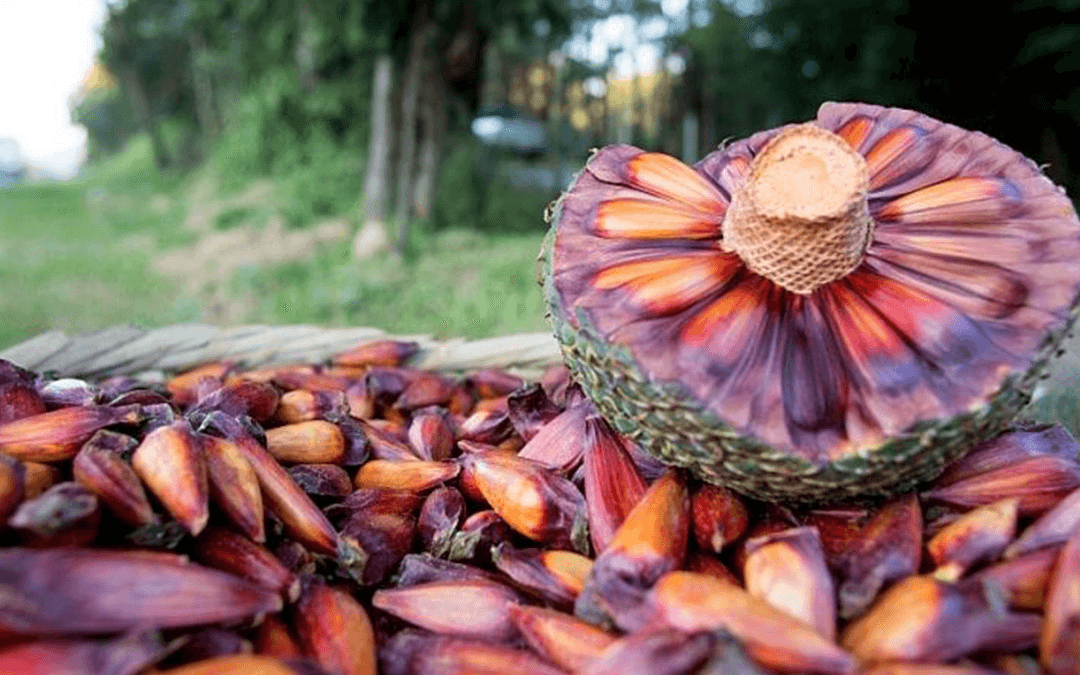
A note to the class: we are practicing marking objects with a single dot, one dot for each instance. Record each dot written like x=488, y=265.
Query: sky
x=46, y=48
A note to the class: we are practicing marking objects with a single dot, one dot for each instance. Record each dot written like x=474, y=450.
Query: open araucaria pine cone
x=820, y=311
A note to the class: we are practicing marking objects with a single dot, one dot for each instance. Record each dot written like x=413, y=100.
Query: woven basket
x=150, y=353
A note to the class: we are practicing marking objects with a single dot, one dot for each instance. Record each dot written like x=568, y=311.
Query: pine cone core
x=801, y=219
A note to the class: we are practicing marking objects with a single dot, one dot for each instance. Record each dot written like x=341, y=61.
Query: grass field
x=72, y=257
x=81, y=256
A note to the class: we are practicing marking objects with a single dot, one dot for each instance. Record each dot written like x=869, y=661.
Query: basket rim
x=131, y=350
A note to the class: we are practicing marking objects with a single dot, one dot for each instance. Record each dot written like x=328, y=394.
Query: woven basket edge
x=196, y=344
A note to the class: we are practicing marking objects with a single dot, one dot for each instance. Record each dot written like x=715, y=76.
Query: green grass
x=74, y=255
x=77, y=257
x=457, y=283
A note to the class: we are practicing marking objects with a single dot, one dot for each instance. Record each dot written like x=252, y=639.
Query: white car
x=511, y=129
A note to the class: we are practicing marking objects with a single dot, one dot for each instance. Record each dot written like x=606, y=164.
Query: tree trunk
x=140, y=101
x=202, y=84
x=433, y=125
x=373, y=236
x=707, y=137
x=494, y=89
x=304, y=49
x=410, y=94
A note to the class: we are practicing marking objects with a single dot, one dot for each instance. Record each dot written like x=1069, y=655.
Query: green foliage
x=324, y=181
x=317, y=171
x=272, y=70
x=507, y=209
x=129, y=172
x=108, y=120
x=269, y=136
x=251, y=143
x=147, y=46
x=235, y=217
x=838, y=50
x=457, y=195
x=473, y=191
x=734, y=85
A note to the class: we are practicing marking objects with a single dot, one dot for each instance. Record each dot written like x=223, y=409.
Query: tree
x=1014, y=72
x=1010, y=69
x=729, y=84
x=437, y=49
x=372, y=236
x=144, y=45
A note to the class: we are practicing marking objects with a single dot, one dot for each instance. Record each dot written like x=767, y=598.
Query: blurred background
x=387, y=162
